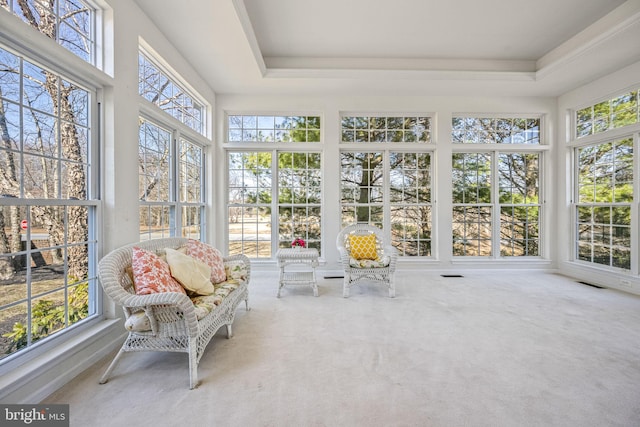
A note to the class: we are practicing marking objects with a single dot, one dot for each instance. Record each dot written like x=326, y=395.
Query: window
x=249, y=203
x=496, y=130
x=252, y=230
x=282, y=180
x=190, y=181
x=362, y=182
x=613, y=113
x=389, y=188
x=472, y=208
x=386, y=129
x=605, y=178
x=496, y=192
x=299, y=198
x=273, y=128
x=171, y=156
x=73, y=23
x=159, y=88
x=48, y=203
x=168, y=208
x=155, y=183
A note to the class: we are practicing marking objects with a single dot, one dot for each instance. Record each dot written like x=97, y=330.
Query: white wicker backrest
x=112, y=268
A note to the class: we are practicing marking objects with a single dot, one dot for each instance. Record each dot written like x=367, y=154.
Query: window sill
x=44, y=373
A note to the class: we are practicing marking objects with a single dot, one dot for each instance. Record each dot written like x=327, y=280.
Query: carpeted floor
x=488, y=349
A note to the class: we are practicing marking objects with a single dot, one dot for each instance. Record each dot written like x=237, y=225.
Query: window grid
x=386, y=129
x=472, y=207
x=299, y=198
x=190, y=182
x=159, y=88
x=517, y=204
x=410, y=203
x=74, y=27
x=170, y=185
x=249, y=204
x=48, y=205
x=155, y=183
x=362, y=187
x=518, y=177
x=268, y=128
x=605, y=195
x=613, y=113
x=495, y=130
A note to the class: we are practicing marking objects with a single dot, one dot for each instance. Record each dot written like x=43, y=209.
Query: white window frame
x=385, y=147
x=92, y=202
x=495, y=149
x=273, y=147
x=632, y=131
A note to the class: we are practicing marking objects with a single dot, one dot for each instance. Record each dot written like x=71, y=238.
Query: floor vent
x=591, y=284
x=452, y=275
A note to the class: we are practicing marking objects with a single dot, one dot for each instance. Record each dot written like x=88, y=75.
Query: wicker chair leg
x=345, y=286
x=229, y=330
x=193, y=365
x=392, y=287
x=107, y=373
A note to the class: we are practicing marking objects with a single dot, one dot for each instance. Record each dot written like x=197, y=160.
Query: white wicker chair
x=379, y=274
x=174, y=326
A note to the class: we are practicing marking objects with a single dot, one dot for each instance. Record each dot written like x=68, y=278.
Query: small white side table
x=298, y=267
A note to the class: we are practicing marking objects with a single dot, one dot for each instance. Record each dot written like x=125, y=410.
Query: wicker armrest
x=242, y=258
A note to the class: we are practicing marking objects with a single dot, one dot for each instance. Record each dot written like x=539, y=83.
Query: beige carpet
x=505, y=349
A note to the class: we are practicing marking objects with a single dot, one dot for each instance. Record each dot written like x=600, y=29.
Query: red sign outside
x=24, y=224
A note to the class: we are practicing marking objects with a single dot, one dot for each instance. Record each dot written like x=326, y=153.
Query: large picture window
x=48, y=203
x=496, y=192
x=388, y=188
x=275, y=193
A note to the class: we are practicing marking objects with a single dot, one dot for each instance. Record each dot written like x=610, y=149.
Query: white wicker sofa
x=172, y=321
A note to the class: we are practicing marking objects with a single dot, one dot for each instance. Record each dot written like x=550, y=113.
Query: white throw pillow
x=193, y=275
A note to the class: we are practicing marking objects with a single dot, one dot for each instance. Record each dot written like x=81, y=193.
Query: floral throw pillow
x=210, y=256
x=151, y=274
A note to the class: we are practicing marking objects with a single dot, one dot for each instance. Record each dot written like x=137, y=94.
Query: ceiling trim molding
x=247, y=28
x=613, y=27
x=620, y=27
x=398, y=74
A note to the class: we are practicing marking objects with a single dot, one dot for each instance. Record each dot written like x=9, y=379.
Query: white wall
x=330, y=107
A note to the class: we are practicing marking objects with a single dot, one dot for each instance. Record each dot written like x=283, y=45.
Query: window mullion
x=635, y=208
x=275, y=202
x=495, y=206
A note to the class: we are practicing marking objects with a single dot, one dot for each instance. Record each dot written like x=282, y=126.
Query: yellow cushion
x=363, y=247
x=193, y=275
